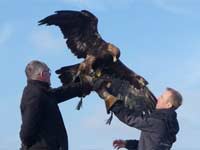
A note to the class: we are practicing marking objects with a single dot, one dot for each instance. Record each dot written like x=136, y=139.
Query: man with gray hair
x=42, y=125
x=158, y=130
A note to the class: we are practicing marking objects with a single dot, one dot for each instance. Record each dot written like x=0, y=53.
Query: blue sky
x=159, y=39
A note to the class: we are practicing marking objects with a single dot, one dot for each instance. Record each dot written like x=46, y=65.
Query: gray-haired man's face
x=45, y=75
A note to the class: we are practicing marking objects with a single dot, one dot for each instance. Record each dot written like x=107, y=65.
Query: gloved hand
x=87, y=85
x=66, y=78
x=119, y=144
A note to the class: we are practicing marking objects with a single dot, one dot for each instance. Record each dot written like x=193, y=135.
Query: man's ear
x=169, y=104
x=42, y=74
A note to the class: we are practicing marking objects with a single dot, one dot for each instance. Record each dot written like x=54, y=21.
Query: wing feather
x=80, y=30
x=122, y=71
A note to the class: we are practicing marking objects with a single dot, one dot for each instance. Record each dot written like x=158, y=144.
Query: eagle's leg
x=108, y=98
x=81, y=67
x=86, y=66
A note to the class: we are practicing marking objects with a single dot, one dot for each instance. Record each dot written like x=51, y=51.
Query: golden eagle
x=101, y=61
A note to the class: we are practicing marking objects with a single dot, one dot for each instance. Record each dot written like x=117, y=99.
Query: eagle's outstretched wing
x=80, y=30
x=126, y=85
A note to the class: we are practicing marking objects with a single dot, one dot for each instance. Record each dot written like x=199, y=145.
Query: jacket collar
x=165, y=110
x=39, y=83
x=162, y=113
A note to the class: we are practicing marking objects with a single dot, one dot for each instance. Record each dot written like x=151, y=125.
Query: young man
x=158, y=131
x=42, y=124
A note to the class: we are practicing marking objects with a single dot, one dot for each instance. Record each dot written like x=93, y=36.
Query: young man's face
x=163, y=102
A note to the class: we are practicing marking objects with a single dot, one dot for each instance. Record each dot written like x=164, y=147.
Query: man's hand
x=119, y=144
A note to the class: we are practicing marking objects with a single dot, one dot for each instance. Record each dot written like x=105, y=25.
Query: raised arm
x=70, y=90
x=143, y=123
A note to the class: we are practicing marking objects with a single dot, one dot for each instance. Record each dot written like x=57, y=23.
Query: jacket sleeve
x=128, y=117
x=32, y=113
x=66, y=92
x=131, y=144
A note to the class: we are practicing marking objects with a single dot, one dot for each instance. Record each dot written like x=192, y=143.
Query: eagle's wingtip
x=58, y=11
x=41, y=22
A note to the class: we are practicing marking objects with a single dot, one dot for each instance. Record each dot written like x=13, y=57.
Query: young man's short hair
x=175, y=98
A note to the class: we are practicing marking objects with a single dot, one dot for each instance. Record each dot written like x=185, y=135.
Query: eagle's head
x=114, y=51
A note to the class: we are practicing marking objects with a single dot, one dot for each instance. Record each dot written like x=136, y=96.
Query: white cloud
x=178, y=6
x=46, y=42
x=6, y=31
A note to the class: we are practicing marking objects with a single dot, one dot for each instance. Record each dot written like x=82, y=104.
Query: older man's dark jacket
x=42, y=124
x=158, y=131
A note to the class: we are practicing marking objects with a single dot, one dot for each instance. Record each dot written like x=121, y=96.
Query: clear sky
x=159, y=39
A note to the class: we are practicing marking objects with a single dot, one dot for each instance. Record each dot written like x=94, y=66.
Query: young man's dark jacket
x=158, y=131
x=42, y=124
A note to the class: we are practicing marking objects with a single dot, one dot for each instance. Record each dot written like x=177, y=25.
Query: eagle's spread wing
x=126, y=85
x=80, y=30
x=121, y=71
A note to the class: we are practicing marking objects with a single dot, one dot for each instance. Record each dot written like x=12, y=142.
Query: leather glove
x=87, y=85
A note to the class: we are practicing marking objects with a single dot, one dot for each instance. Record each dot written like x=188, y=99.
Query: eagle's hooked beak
x=114, y=51
x=114, y=58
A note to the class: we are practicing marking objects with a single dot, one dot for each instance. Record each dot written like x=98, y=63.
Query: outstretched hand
x=119, y=144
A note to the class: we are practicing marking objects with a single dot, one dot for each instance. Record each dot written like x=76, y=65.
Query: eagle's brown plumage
x=83, y=39
x=80, y=31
